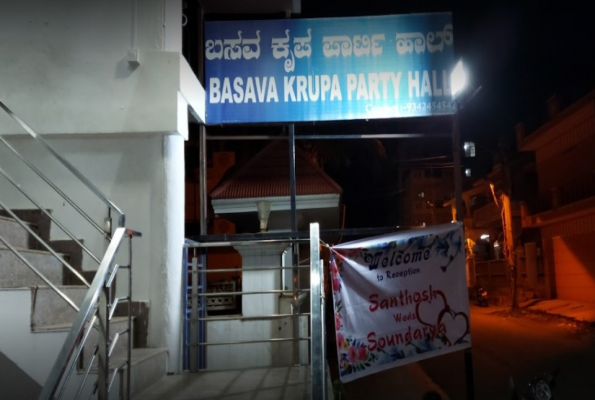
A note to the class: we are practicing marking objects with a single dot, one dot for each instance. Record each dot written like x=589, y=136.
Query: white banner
x=399, y=298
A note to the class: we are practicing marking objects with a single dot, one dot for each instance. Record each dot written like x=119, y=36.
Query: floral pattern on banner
x=354, y=355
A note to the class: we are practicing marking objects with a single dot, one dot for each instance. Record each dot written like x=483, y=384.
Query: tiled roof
x=267, y=175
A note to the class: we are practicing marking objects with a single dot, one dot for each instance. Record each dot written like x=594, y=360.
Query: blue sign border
x=326, y=69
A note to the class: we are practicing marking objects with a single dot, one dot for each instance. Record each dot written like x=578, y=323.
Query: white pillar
x=167, y=239
x=259, y=354
x=261, y=256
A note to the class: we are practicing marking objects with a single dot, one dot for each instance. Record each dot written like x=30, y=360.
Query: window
x=469, y=148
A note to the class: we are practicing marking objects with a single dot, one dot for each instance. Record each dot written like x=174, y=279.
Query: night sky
x=520, y=53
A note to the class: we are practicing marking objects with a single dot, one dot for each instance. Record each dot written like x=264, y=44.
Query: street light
x=458, y=82
x=458, y=79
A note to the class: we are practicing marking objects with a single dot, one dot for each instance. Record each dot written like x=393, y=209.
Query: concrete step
x=35, y=352
x=149, y=365
x=14, y=233
x=50, y=312
x=118, y=325
x=14, y=273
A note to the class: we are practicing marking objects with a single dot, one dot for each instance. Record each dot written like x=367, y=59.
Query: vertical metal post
x=469, y=374
x=202, y=136
x=323, y=329
x=103, y=347
x=202, y=307
x=292, y=189
x=108, y=225
x=194, y=328
x=294, y=248
x=317, y=361
x=456, y=155
x=194, y=317
x=129, y=349
x=460, y=214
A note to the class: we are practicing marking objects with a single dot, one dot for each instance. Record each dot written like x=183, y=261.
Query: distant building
x=425, y=191
x=484, y=231
x=564, y=212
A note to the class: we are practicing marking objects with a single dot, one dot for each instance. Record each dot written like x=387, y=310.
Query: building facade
x=107, y=85
x=564, y=212
x=425, y=192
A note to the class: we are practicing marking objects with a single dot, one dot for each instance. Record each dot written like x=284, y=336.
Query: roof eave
x=233, y=206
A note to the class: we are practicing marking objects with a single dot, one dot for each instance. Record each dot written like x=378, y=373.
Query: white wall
x=64, y=71
x=129, y=171
x=144, y=176
x=34, y=353
x=233, y=356
x=64, y=68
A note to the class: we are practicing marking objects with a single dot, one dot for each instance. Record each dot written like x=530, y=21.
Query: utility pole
x=509, y=239
x=503, y=202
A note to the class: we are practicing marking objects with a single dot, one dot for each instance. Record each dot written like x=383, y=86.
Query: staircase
x=36, y=321
x=66, y=332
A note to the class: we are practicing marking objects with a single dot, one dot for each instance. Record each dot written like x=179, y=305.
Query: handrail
x=39, y=274
x=66, y=163
x=87, y=308
x=44, y=244
x=97, y=302
x=53, y=186
x=49, y=215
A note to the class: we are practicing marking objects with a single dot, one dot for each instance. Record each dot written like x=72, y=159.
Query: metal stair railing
x=105, y=232
x=95, y=312
x=110, y=204
x=48, y=214
x=96, y=316
x=43, y=243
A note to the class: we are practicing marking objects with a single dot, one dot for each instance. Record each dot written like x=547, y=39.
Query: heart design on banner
x=457, y=325
x=429, y=311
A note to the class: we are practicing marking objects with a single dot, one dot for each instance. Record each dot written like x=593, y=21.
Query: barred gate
x=221, y=306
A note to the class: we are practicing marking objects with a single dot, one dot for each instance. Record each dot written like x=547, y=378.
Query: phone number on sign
x=438, y=107
x=429, y=106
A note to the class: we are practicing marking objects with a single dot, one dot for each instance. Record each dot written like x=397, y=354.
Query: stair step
x=149, y=365
x=14, y=233
x=14, y=273
x=50, y=312
x=117, y=325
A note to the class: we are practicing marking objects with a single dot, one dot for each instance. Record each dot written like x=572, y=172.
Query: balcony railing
x=577, y=190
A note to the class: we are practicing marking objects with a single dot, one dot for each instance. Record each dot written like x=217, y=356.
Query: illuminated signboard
x=295, y=70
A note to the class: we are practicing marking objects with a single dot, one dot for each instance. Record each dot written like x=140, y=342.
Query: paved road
x=519, y=347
